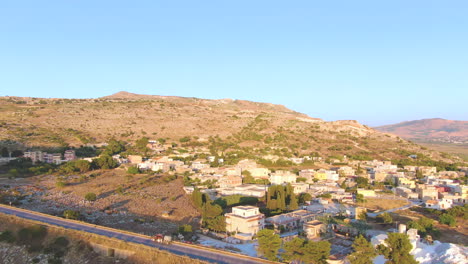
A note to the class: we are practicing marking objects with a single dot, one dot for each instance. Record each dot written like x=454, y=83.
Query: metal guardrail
x=222, y=252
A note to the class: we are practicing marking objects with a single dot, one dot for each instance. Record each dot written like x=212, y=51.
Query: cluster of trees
x=362, y=182
x=425, y=226
x=385, y=218
x=185, y=229
x=281, y=198
x=103, y=162
x=4, y=152
x=212, y=213
x=303, y=197
x=235, y=200
x=114, y=147
x=23, y=167
x=269, y=244
x=301, y=250
x=75, y=166
x=459, y=211
x=447, y=219
x=277, y=163
x=423, y=160
x=297, y=250
x=449, y=216
x=396, y=250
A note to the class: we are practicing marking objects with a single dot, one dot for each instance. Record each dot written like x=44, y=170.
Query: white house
x=281, y=177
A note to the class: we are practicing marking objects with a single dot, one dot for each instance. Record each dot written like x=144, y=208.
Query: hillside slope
x=439, y=134
x=436, y=129
x=257, y=128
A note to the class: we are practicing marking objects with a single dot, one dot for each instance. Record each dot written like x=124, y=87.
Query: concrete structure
x=259, y=173
x=300, y=187
x=290, y=221
x=407, y=183
x=281, y=177
x=135, y=159
x=245, y=221
x=230, y=181
x=346, y=171
x=405, y=192
x=321, y=175
x=35, y=156
x=69, y=155
x=55, y=158
x=366, y=193
x=440, y=204
x=427, y=170
x=314, y=228
x=198, y=165
x=307, y=174
x=246, y=190
x=356, y=212
x=379, y=176
x=426, y=192
x=39, y=156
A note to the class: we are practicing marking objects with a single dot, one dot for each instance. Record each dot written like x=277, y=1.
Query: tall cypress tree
x=281, y=202
x=293, y=205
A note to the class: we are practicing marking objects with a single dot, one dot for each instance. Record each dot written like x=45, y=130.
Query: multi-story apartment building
x=69, y=155
x=245, y=221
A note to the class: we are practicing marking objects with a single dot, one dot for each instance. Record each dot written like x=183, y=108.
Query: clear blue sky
x=378, y=62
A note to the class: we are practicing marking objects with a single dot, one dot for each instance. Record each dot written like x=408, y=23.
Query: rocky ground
x=144, y=204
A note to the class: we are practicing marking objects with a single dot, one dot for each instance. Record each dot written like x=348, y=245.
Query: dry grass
x=140, y=197
x=80, y=253
x=382, y=204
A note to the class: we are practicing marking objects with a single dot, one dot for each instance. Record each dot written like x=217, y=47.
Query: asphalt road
x=183, y=250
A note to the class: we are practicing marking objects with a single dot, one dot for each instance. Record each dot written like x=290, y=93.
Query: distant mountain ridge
x=434, y=129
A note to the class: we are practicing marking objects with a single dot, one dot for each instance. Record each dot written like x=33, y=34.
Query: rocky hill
x=237, y=125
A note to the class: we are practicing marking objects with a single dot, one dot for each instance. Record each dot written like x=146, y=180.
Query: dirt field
x=140, y=203
x=383, y=203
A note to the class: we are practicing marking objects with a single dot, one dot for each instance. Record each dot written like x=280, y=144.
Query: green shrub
x=7, y=236
x=71, y=214
x=61, y=242
x=447, y=219
x=60, y=184
x=90, y=196
x=133, y=170
x=32, y=236
x=183, y=229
